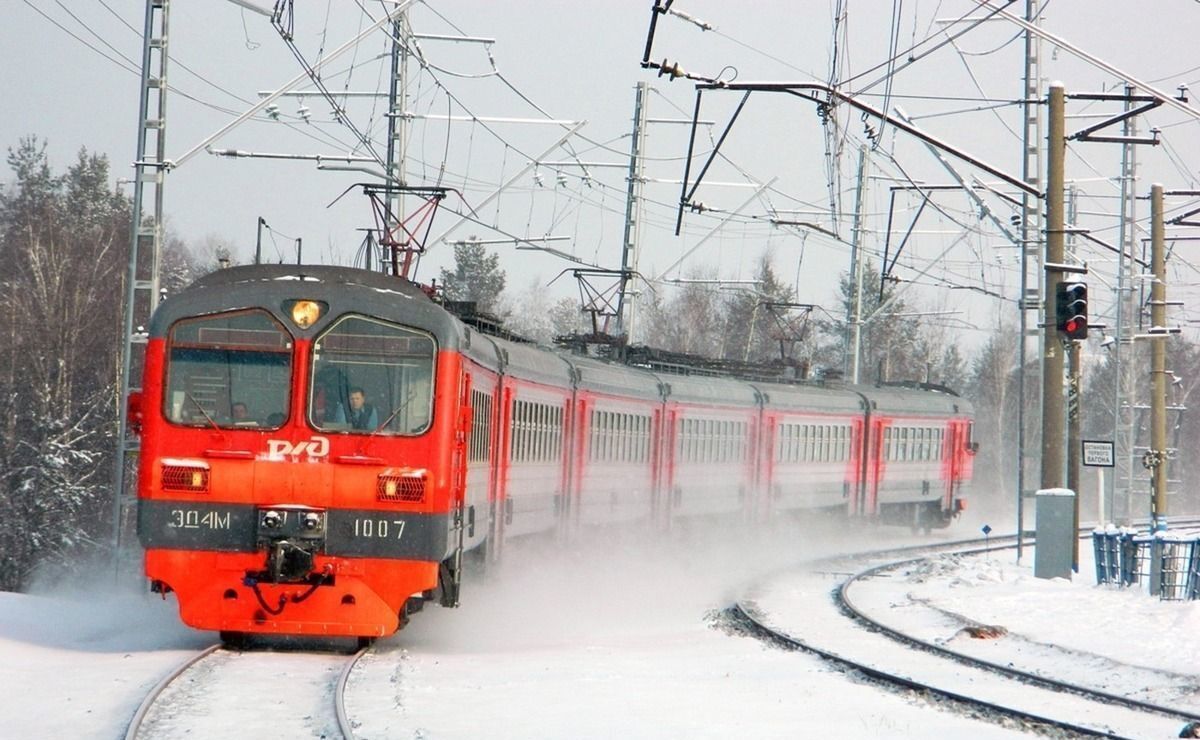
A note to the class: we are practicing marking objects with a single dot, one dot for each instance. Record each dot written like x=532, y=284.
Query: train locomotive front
x=303, y=451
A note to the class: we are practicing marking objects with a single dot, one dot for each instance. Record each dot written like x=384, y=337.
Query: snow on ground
x=576, y=645
x=77, y=666
x=1122, y=624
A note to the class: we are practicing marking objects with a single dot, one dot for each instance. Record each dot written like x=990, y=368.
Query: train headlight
x=272, y=519
x=305, y=313
x=185, y=475
x=403, y=485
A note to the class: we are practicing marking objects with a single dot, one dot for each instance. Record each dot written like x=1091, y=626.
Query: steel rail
x=746, y=613
x=847, y=607
x=135, y=723
x=339, y=694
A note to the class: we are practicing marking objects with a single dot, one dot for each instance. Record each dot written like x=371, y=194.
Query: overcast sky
x=580, y=62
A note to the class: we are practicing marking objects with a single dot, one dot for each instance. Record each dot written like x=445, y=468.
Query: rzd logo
x=280, y=449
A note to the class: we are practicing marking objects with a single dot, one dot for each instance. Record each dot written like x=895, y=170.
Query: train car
x=321, y=447
x=919, y=455
x=617, y=466
x=710, y=470
x=303, y=450
x=813, y=458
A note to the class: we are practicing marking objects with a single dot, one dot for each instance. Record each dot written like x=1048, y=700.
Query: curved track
x=139, y=717
x=177, y=705
x=996, y=689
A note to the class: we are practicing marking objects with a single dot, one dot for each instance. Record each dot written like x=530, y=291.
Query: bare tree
x=993, y=391
x=688, y=319
x=532, y=313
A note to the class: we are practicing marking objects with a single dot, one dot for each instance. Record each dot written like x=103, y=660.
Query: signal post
x=1053, y=459
x=1066, y=302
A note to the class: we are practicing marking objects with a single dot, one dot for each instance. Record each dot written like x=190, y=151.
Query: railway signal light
x=1071, y=310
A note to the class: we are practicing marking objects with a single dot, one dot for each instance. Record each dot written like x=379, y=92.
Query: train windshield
x=231, y=370
x=370, y=376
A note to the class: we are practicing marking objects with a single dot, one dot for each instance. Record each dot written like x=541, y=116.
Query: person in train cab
x=324, y=408
x=239, y=412
x=362, y=414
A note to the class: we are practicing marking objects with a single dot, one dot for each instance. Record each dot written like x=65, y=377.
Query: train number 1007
x=379, y=528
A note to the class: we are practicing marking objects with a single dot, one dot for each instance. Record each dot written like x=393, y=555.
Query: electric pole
x=1123, y=364
x=1156, y=457
x=1030, y=303
x=1053, y=461
x=258, y=241
x=857, y=263
x=633, y=206
x=1073, y=397
x=397, y=132
x=145, y=252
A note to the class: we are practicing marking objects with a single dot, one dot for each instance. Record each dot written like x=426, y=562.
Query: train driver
x=362, y=414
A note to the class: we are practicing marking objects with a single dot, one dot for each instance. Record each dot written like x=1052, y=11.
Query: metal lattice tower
x=145, y=250
x=1125, y=413
x=1031, y=247
x=626, y=302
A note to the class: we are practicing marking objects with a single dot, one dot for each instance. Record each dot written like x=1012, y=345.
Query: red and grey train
x=321, y=445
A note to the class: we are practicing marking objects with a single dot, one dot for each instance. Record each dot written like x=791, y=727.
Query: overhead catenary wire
x=572, y=200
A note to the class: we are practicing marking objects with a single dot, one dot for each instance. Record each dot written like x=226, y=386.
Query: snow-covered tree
x=63, y=241
x=476, y=276
x=890, y=345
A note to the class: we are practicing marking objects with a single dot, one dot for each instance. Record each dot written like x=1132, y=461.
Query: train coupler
x=292, y=536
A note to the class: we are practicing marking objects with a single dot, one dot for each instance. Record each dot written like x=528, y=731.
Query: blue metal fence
x=1167, y=566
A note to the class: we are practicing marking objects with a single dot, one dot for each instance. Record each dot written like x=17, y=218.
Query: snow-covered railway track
x=857, y=634
x=301, y=690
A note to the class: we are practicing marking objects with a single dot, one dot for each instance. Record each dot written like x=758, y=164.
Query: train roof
x=269, y=286
x=812, y=397
x=706, y=388
x=527, y=361
x=915, y=399
x=607, y=377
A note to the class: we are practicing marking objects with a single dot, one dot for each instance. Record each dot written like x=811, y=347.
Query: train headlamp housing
x=303, y=312
x=191, y=476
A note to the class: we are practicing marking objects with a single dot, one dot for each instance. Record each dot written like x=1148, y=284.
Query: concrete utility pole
x=1156, y=458
x=1053, y=461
